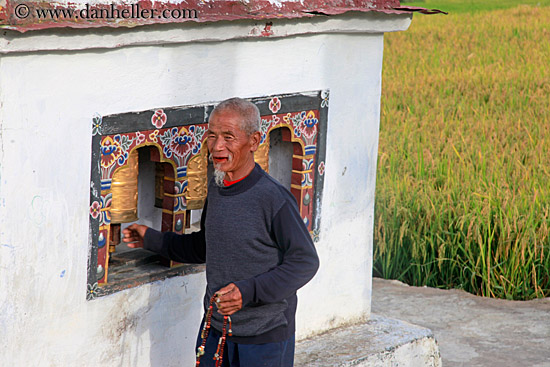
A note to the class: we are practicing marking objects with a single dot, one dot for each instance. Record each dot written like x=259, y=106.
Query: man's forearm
x=187, y=248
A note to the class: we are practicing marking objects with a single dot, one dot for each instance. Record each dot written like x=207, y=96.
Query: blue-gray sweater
x=251, y=235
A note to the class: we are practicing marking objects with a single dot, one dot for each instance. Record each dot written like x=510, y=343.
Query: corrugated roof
x=36, y=14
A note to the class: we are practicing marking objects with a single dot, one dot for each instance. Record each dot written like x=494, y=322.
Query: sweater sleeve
x=185, y=248
x=298, y=261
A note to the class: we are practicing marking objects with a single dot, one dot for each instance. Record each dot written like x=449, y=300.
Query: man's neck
x=241, y=173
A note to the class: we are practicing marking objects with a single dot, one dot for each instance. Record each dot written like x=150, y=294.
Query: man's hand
x=229, y=300
x=133, y=235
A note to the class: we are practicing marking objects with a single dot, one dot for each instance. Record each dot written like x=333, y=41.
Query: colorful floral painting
x=275, y=104
x=307, y=164
x=140, y=138
x=307, y=182
x=111, y=151
x=115, y=149
x=93, y=291
x=159, y=118
x=177, y=144
x=315, y=235
x=96, y=125
x=182, y=142
x=268, y=124
x=95, y=209
x=324, y=99
x=305, y=125
x=180, y=202
x=153, y=136
x=321, y=168
x=105, y=212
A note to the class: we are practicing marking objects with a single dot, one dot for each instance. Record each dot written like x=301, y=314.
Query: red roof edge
x=40, y=14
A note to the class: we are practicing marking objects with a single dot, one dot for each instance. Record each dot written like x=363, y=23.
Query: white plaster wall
x=47, y=102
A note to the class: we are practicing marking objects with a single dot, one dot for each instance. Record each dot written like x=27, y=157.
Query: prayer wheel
x=197, y=182
x=124, y=188
x=261, y=156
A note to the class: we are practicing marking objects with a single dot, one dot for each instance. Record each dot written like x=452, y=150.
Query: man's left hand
x=229, y=300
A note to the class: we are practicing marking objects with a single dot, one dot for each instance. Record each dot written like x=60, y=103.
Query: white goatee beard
x=219, y=175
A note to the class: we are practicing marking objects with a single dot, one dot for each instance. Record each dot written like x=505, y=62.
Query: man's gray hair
x=248, y=111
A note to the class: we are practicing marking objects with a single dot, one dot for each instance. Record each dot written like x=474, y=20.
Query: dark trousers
x=279, y=354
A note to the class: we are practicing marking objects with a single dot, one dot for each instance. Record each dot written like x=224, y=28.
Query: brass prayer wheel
x=261, y=156
x=197, y=183
x=124, y=188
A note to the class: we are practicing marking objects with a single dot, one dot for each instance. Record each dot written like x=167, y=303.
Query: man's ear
x=255, y=140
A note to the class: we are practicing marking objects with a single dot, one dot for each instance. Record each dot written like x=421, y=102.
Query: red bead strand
x=218, y=356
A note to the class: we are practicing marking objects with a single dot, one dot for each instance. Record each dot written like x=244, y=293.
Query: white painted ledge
x=379, y=342
x=109, y=38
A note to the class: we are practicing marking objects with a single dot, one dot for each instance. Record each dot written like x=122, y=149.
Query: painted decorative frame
x=176, y=136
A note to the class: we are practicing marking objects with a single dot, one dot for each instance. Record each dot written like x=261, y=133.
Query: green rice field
x=463, y=183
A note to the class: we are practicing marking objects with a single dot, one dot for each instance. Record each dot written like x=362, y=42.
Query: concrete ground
x=471, y=331
x=378, y=342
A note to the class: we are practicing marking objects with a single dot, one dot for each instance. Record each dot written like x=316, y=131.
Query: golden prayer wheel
x=124, y=188
x=261, y=156
x=197, y=181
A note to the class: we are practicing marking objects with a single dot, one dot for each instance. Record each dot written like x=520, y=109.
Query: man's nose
x=219, y=144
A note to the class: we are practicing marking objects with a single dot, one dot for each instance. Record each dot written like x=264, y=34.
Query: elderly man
x=257, y=250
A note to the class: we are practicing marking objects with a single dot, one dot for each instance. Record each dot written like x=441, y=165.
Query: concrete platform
x=471, y=331
x=379, y=342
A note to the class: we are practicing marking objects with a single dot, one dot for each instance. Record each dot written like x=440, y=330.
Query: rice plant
x=463, y=186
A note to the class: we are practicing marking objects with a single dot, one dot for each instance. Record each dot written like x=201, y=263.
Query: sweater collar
x=243, y=185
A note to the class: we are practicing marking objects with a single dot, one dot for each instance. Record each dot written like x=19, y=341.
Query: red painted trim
x=14, y=14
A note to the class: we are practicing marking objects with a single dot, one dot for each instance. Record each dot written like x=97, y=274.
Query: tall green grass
x=463, y=187
x=473, y=6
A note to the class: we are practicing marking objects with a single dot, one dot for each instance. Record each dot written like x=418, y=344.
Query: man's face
x=231, y=149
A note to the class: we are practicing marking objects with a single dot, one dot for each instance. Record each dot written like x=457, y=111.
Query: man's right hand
x=133, y=235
